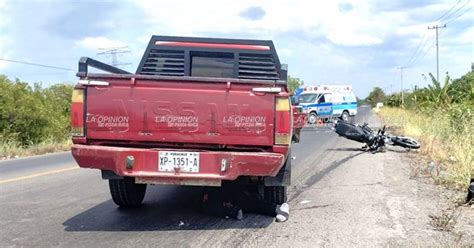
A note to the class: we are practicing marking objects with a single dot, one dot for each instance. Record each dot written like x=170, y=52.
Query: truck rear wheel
x=275, y=194
x=126, y=193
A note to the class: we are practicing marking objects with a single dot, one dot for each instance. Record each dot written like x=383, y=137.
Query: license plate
x=173, y=161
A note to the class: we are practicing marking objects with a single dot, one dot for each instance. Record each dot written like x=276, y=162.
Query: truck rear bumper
x=145, y=164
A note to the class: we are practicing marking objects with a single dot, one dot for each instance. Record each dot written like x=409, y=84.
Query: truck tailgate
x=180, y=112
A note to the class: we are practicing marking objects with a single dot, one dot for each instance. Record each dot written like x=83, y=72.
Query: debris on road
x=214, y=203
x=283, y=212
x=231, y=201
x=445, y=221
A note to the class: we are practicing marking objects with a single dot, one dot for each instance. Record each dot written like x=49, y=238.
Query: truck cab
x=198, y=111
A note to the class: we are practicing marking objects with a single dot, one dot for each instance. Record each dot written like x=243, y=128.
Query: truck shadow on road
x=165, y=208
x=312, y=180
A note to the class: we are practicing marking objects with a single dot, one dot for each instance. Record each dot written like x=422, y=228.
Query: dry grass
x=13, y=149
x=451, y=150
x=444, y=222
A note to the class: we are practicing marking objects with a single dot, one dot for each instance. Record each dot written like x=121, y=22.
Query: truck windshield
x=308, y=98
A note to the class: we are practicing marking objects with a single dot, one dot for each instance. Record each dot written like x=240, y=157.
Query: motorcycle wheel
x=406, y=142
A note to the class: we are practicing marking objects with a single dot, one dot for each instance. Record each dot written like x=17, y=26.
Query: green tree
x=58, y=97
x=30, y=115
x=461, y=90
x=293, y=84
x=439, y=93
x=377, y=95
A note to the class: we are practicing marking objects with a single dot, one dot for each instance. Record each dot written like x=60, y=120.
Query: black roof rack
x=171, y=56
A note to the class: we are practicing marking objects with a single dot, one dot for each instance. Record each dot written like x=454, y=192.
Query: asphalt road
x=18, y=168
x=48, y=201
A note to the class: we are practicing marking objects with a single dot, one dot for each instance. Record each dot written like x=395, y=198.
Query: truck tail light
x=282, y=121
x=77, y=112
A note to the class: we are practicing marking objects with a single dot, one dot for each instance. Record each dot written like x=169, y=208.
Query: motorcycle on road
x=373, y=141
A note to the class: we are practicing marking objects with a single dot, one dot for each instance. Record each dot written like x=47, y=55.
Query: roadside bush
x=437, y=95
x=31, y=115
x=441, y=117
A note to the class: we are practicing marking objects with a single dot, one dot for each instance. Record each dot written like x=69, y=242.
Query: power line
x=37, y=73
x=421, y=55
x=418, y=49
x=416, y=56
x=445, y=13
x=453, y=13
x=36, y=64
x=419, y=59
x=456, y=17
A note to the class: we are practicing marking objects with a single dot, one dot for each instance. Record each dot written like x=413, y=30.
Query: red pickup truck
x=198, y=111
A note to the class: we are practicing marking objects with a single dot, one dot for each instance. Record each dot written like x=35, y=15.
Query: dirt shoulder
x=14, y=151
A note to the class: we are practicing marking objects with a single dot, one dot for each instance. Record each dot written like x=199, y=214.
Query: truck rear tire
x=275, y=194
x=126, y=193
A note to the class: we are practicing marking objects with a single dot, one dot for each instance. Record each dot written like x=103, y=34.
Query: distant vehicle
x=198, y=111
x=327, y=101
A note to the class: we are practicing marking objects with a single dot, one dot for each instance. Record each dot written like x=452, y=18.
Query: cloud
x=253, y=13
x=356, y=25
x=76, y=20
x=358, y=42
x=95, y=43
x=341, y=37
x=4, y=39
x=345, y=7
x=4, y=55
x=467, y=37
x=383, y=5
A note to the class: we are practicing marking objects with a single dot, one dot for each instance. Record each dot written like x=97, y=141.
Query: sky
x=361, y=43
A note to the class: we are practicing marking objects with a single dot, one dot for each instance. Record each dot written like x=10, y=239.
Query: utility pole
x=401, y=81
x=113, y=52
x=436, y=27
